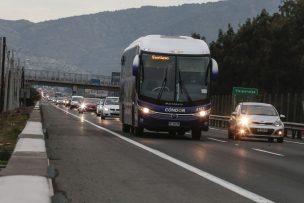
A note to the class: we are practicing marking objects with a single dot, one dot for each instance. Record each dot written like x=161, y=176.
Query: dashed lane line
x=301, y=143
x=230, y=186
x=223, y=141
x=268, y=152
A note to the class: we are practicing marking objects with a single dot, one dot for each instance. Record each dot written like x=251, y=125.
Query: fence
x=11, y=78
x=291, y=105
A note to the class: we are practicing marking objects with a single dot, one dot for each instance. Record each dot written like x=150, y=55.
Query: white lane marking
x=294, y=142
x=209, y=138
x=218, y=129
x=260, y=150
x=230, y=186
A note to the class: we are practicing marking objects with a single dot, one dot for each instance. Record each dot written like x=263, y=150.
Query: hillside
x=94, y=43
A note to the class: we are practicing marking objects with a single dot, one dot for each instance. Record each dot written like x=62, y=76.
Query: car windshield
x=112, y=101
x=258, y=110
x=91, y=100
x=174, y=78
x=76, y=98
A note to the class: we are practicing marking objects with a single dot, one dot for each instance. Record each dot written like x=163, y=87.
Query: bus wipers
x=163, y=85
x=181, y=84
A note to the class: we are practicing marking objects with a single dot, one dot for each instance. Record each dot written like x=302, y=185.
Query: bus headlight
x=145, y=110
x=202, y=113
x=244, y=121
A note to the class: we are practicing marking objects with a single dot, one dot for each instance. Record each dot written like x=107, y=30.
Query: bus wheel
x=125, y=128
x=280, y=140
x=181, y=133
x=196, y=134
x=230, y=134
x=138, y=131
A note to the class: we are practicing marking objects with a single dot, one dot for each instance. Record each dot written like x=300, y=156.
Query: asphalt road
x=99, y=163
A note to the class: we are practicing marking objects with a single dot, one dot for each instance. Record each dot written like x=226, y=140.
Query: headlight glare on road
x=244, y=121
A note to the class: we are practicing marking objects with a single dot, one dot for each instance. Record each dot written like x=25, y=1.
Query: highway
x=97, y=162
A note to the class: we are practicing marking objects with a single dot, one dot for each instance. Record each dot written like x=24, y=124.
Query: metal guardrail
x=297, y=129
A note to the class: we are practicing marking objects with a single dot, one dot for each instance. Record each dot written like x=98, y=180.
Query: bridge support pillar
x=74, y=90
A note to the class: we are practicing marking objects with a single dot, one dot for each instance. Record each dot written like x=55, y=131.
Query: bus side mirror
x=135, y=66
x=214, y=72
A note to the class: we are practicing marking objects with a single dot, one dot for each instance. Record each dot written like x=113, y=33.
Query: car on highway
x=256, y=120
x=88, y=105
x=110, y=108
x=99, y=107
x=65, y=101
x=75, y=101
x=59, y=100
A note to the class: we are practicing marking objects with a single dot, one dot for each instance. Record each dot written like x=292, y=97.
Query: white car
x=59, y=100
x=99, y=107
x=110, y=107
x=257, y=120
x=75, y=101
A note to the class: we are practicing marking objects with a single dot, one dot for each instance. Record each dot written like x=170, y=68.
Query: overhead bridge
x=72, y=80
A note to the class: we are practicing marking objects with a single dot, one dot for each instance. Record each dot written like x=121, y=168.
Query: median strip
x=25, y=178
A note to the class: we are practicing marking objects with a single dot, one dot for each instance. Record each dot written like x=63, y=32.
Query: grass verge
x=11, y=125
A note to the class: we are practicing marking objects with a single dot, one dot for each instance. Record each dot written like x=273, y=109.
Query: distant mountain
x=94, y=43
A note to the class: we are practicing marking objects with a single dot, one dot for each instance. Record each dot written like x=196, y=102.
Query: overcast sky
x=41, y=10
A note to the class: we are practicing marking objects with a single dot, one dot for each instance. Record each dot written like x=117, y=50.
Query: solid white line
x=294, y=142
x=209, y=138
x=230, y=186
x=260, y=150
x=218, y=129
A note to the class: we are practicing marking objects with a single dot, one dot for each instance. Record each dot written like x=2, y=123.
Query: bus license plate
x=174, y=124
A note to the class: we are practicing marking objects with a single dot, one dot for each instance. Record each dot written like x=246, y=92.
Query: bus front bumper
x=164, y=123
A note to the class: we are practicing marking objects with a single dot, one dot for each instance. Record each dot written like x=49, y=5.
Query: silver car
x=257, y=120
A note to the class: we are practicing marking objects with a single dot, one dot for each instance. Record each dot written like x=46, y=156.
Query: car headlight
x=244, y=121
x=82, y=106
x=277, y=123
x=106, y=109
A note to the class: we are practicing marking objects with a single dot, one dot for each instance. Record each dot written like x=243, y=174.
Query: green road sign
x=241, y=91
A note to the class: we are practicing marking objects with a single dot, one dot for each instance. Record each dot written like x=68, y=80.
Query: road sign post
x=242, y=94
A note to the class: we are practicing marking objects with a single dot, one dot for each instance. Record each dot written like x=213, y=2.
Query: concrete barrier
x=25, y=178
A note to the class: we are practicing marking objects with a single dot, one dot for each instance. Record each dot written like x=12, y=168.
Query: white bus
x=166, y=85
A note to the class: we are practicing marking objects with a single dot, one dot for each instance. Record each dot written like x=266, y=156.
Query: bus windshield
x=174, y=78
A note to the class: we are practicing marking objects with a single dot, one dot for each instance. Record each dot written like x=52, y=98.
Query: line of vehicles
x=166, y=87
x=103, y=107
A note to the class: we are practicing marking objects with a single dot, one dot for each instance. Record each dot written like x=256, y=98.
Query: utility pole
x=2, y=74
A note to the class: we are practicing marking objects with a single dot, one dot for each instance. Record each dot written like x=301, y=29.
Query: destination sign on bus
x=160, y=58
